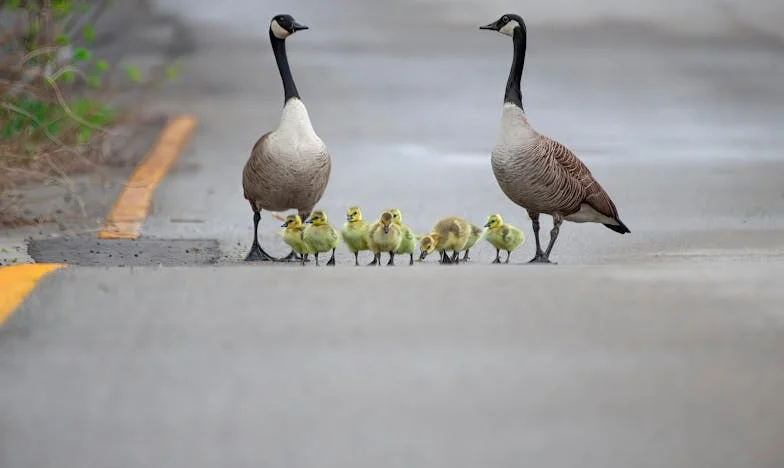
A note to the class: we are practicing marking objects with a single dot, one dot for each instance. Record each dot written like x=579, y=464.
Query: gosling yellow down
x=450, y=233
x=502, y=236
x=408, y=238
x=355, y=232
x=321, y=236
x=293, y=236
x=385, y=236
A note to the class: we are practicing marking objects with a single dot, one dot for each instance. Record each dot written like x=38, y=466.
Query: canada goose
x=536, y=172
x=288, y=167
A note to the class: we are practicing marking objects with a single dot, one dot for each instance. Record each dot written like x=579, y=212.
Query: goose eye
x=505, y=19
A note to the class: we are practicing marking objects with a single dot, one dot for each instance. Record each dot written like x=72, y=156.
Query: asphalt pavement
x=657, y=348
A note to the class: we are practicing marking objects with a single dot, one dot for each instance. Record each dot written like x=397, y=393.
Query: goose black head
x=283, y=26
x=506, y=24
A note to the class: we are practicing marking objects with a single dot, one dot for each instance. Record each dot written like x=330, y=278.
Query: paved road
x=666, y=354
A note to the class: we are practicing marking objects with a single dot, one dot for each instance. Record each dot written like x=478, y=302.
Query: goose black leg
x=391, y=261
x=257, y=254
x=331, y=261
x=411, y=261
x=553, y=236
x=540, y=256
x=497, y=256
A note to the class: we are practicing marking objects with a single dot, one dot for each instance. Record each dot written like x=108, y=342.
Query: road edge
x=130, y=209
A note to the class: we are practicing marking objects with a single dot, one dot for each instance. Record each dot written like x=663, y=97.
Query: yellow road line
x=132, y=205
x=17, y=281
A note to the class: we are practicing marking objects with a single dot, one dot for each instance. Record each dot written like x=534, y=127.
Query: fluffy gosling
x=408, y=239
x=502, y=236
x=385, y=236
x=293, y=236
x=321, y=236
x=355, y=232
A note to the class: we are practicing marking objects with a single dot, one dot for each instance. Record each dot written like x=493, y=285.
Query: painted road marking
x=130, y=210
x=17, y=281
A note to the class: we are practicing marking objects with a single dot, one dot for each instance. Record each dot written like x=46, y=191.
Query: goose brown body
x=544, y=176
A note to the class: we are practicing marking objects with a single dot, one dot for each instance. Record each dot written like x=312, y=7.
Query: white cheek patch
x=509, y=28
x=278, y=30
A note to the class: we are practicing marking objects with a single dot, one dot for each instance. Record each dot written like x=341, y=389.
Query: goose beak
x=489, y=27
x=299, y=27
x=386, y=229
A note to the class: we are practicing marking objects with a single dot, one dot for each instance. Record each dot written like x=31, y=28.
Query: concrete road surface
x=661, y=348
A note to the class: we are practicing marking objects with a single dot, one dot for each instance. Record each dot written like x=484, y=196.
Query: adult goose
x=288, y=167
x=536, y=172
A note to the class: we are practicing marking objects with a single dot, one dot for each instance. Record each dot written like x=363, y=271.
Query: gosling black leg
x=257, y=254
x=465, y=256
x=375, y=261
x=331, y=261
x=302, y=259
x=508, y=254
x=455, y=257
x=411, y=261
x=497, y=256
x=391, y=261
x=356, y=258
x=316, y=255
x=445, y=258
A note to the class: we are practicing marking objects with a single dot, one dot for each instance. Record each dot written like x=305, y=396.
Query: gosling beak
x=309, y=221
x=422, y=256
x=386, y=229
x=349, y=218
x=489, y=27
x=487, y=224
x=284, y=224
x=299, y=27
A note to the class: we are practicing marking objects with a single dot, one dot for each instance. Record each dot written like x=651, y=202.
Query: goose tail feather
x=620, y=228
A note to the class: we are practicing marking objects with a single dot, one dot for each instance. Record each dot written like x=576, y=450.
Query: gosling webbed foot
x=257, y=254
x=292, y=257
x=508, y=254
x=331, y=261
x=445, y=258
x=391, y=261
x=411, y=261
x=465, y=256
x=356, y=258
x=375, y=260
x=316, y=256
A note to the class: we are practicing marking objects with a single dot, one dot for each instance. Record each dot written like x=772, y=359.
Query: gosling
x=293, y=236
x=321, y=236
x=502, y=236
x=450, y=233
x=408, y=239
x=385, y=236
x=355, y=232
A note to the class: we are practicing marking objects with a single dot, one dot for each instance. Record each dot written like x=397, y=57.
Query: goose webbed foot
x=257, y=254
x=538, y=258
x=331, y=261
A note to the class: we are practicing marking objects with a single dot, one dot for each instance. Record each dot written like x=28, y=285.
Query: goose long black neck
x=279, y=49
x=513, y=93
